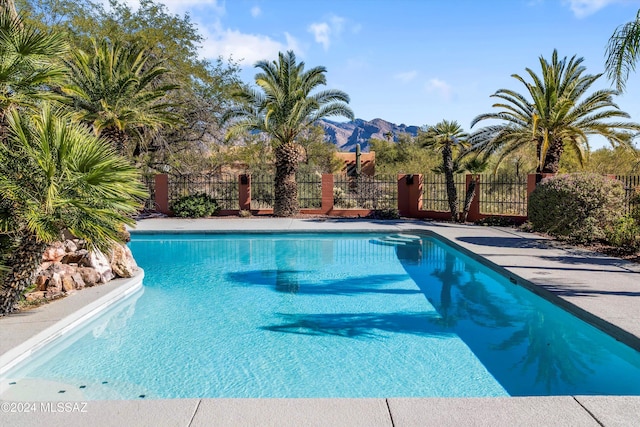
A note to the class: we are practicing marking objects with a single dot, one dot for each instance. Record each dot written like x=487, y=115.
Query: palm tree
x=622, y=52
x=474, y=166
x=118, y=90
x=446, y=137
x=27, y=61
x=56, y=175
x=558, y=114
x=283, y=107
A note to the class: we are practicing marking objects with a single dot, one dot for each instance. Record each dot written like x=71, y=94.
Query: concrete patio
x=604, y=291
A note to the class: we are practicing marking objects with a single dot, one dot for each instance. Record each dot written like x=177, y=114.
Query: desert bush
x=624, y=233
x=578, y=207
x=195, y=206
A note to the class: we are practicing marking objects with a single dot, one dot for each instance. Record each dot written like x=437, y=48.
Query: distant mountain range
x=346, y=135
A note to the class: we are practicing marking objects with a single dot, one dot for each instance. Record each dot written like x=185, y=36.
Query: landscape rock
x=89, y=276
x=70, y=246
x=122, y=262
x=55, y=252
x=75, y=257
x=34, y=296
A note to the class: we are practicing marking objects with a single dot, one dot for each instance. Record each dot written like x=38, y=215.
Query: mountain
x=346, y=135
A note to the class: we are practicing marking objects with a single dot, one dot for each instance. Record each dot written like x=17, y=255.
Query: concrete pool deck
x=604, y=291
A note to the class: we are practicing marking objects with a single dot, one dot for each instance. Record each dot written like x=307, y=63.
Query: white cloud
x=440, y=87
x=324, y=32
x=321, y=32
x=255, y=11
x=582, y=8
x=245, y=48
x=407, y=76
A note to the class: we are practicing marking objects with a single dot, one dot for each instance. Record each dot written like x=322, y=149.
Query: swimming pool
x=327, y=315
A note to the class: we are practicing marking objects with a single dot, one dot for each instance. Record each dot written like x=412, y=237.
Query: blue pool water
x=328, y=315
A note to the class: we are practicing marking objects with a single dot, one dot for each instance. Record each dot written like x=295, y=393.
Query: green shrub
x=195, y=206
x=578, y=207
x=624, y=233
x=386, y=213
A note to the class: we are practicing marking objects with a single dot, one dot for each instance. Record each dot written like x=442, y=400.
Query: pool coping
x=57, y=328
x=550, y=410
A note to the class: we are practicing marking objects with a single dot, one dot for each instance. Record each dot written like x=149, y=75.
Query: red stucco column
x=327, y=193
x=244, y=192
x=162, y=192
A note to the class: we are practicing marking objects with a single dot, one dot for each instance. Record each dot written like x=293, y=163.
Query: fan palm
x=56, y=175
x=558, y=114
x=283, y=107
x=119, y=91
x=446, y=137
x=26, y=63
x=622, y=52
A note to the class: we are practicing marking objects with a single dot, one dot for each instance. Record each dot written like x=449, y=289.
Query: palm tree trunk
x=118, y=138
x=552, y=158
x=468, y=199
x=23, y=264
x=286, y=187
x=452, y=194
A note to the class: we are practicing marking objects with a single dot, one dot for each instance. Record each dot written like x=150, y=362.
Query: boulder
x=70, y=246
x=90, y=277
x=74, y=257
x=34, y=296
x=54, y=252
x=41, y=282
x=99, y=262
x=122, y=262
x=54, y=286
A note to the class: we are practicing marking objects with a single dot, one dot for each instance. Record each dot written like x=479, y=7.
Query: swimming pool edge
x=69, y=323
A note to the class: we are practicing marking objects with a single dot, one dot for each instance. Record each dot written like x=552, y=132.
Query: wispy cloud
x=244, y=48
x=406, y=76
x=582, y=8
x=326, y=31
x=256, y=11
x=440, y=87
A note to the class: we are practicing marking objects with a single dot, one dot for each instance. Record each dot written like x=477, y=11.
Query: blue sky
x=411, y=61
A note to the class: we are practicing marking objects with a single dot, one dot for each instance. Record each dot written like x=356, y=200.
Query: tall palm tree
x=57, y=175
x=446, y=137
x=283, y=107
x=27, y=61
x=623, y=50
x=118, y=90
x=558, y=114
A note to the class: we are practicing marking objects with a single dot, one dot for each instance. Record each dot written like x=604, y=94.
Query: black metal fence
x=632, y=187
x=223, y=188
x=262, y=191
x=503, y=194
x=365, y=192
x=309, y=191
x=434, y=192
x=149, y=181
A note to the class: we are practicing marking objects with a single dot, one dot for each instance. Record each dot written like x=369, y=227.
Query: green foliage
x=624, y=232
x=195, y=206
x=617, y=161
x=557, y=115
x=27, y=61
x=386, y=213
x=404, y=156
x=118, y=91
x=318, y=154
x=578, y=207
x=622, y=52
x=205, y=86
x=57, y=175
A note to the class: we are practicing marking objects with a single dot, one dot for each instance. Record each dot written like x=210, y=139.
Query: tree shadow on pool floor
x=361, y=325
